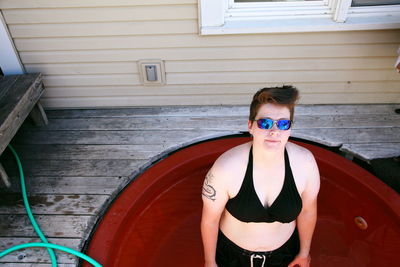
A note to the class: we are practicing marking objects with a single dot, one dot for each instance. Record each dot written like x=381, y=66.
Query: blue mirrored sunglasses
x=267, y=123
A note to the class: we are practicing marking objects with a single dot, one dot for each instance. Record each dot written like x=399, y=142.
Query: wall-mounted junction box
x=152, y=72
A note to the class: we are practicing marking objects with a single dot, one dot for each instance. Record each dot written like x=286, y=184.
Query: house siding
x=88, y=53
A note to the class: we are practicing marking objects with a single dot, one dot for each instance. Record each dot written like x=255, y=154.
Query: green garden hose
x=45, y=243
x=28, y=208
x=51, y=246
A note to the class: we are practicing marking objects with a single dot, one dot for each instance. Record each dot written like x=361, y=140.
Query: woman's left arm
x=308, y=216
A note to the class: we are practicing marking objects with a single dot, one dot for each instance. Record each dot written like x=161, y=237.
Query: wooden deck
x=77, y=164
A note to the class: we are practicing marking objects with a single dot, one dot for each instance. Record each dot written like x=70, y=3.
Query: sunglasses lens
x=265, y=123
x=283, y=124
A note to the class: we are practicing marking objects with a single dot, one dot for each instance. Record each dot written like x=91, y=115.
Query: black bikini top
x=247, y=207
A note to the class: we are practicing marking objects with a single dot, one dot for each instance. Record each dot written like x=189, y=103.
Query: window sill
x=316, y=23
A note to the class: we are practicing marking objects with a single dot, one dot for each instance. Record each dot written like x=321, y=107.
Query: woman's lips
x=272, y=141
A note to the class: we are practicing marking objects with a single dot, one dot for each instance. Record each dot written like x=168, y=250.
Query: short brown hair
x=286, y=95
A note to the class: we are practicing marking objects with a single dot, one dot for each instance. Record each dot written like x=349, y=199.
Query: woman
x=260, y=198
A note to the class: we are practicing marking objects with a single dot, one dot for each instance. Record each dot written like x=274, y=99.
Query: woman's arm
x=308, y=216
x=214, y=197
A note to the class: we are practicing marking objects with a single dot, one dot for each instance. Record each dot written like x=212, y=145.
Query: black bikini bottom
x=229, y=254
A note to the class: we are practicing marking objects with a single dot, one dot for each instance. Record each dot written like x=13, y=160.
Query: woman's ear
x=250, y=126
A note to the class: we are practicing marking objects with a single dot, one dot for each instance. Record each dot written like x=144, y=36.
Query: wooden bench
x=19, y=97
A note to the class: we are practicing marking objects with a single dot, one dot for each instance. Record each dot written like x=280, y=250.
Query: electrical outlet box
x=152, y=72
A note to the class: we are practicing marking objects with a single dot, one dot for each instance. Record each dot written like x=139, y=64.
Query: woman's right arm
x=214, y=197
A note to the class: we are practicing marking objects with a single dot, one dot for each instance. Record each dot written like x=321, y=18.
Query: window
x=374, y=2
x=239, y=1
x=261, y=16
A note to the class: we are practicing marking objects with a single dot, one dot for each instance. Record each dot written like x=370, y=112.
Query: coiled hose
x=44, y=243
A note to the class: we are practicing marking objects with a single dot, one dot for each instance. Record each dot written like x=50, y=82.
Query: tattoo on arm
x=209, y=191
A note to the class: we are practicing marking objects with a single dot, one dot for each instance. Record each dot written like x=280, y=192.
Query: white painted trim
x=316, y=24
x=228, y=17
x=212, y=13
x=341, y=11
x=9, y=59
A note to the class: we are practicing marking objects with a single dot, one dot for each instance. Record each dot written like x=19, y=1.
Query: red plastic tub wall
x=155, y=221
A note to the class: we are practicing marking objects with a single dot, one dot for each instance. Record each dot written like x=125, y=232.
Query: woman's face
x=272, y=138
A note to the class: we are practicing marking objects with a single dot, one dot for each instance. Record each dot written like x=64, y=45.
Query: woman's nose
x=274, y=131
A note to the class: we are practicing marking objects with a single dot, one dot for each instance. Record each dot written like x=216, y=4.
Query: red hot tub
x=155, y=221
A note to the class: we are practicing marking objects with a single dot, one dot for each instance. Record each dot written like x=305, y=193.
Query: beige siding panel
x=103, y=29
x=144, y=101
x=190, y=40
x=276, y=77
x=226, y=77
x=188, y=26
x=275, y=52
x=348, y=63
x=224, y=89
x=85, y=68
x=90, y=80
x=214, y=100
x=96, y=14
x=218, y=65
x=10, y=4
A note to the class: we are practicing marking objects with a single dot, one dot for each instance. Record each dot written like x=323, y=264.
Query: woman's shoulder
x=305, y=169
x=302, y=161
x=233, y=158
x=299, y=153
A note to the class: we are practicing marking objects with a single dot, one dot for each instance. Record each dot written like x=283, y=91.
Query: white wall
x=88, y=53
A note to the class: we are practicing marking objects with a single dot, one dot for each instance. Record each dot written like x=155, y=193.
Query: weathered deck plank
x=70, y=152
x=14, y=264
x=68, y=185
x=220, y=123
x=112, y=137
x=78, y=163
x=326, y=136
x=336, y=137
x=368, y=151
x=56, y=226
x=220, y=111
x=77, y=204
x=37, y=256
x=78, y=167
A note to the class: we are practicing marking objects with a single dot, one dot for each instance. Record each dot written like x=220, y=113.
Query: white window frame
x=228, y=17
